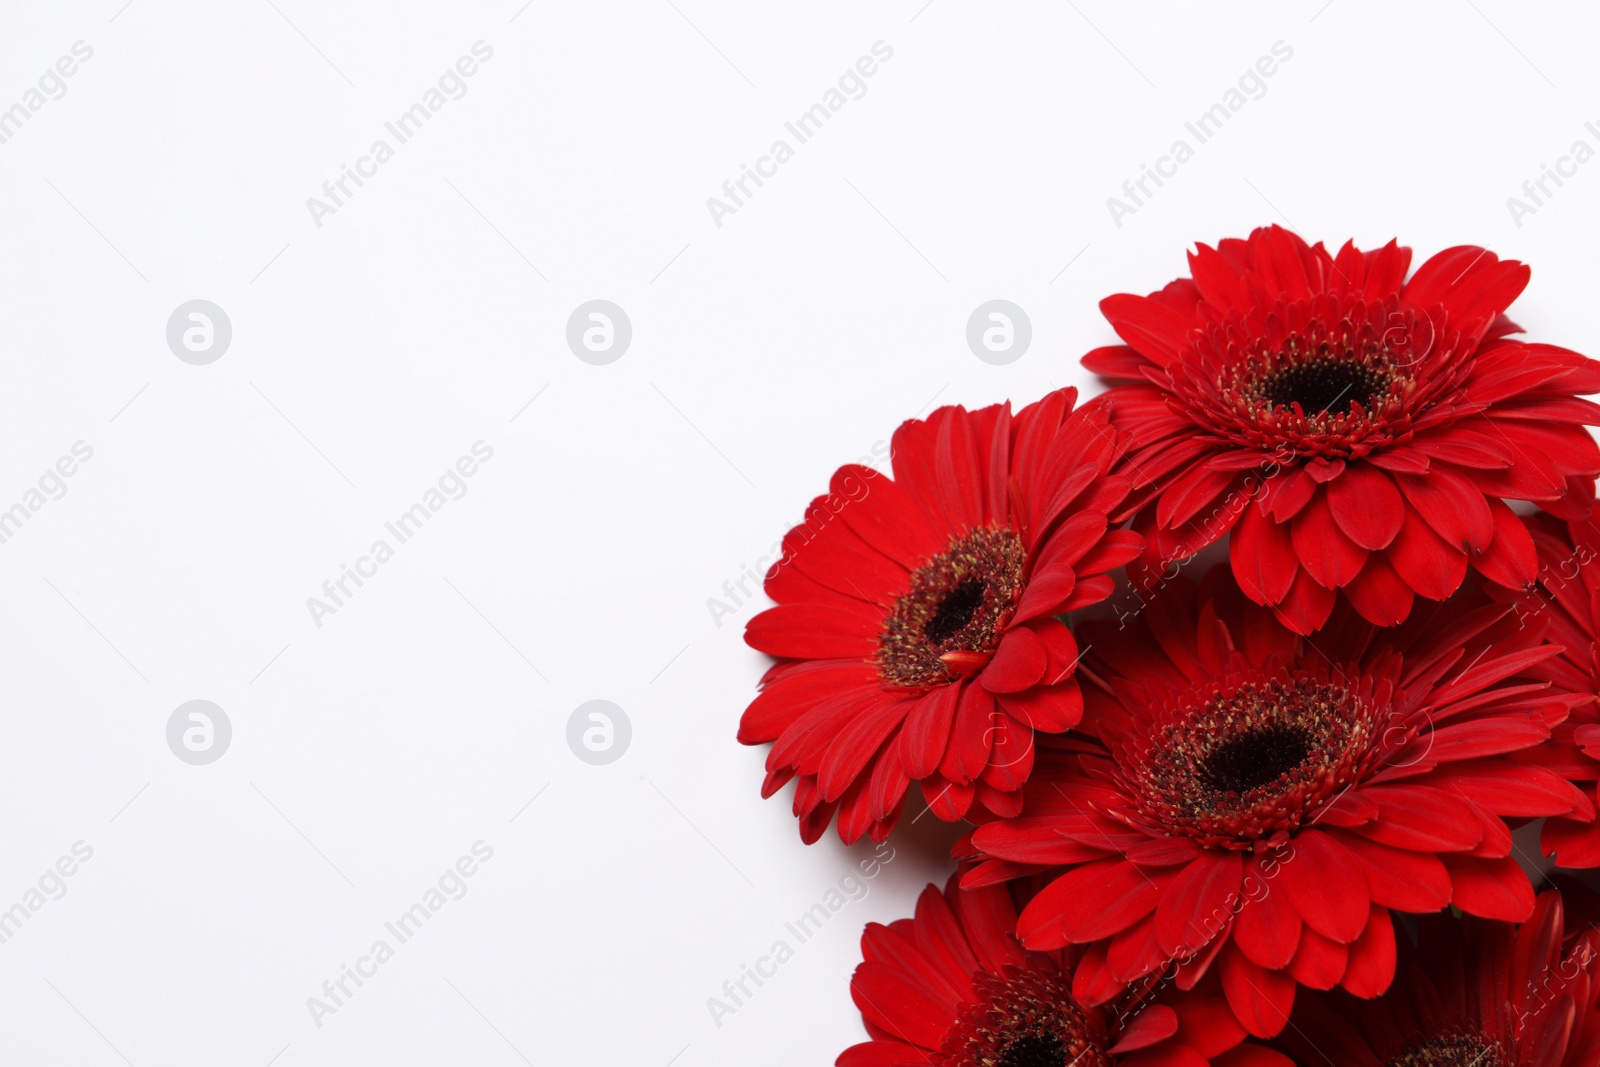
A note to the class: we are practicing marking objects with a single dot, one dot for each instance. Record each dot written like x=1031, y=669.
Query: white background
x=371, y=352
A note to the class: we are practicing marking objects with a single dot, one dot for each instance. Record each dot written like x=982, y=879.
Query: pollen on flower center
x=1256, y=757
x=1324, y=377
x=1236, y=764
x=1023, y=1018
x=1316, y=384
x=958, y=602
x=1326, y=384
x=1455, y=1050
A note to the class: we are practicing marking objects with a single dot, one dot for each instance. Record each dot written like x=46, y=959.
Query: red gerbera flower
x=1354, y=430
x=915, y=616
x=953, y=987
x=1566, y=601
x=1254, y=801
x=1471, y=994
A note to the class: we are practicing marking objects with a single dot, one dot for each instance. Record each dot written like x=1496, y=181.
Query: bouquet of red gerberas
x=1250, y=806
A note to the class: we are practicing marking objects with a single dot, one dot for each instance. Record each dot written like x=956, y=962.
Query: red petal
x=1326, y=887
x=1427, y=562
x=1018, y=663
x=1155, y=1023
x=882, y=1053
x=1199, y=903
x=1379, y=594
x=1370, y=968
x=970, y=736
x=1490, y=888
x=1510, y=560
x=1263, y=558
x=1452, y=505
x=1571, y=844
x=927, y=730
x=1268, y=927
x=1260, y=999
x=1399, y=879
x=1307, y=606
x=1318, y=963
x=815, y=631
x=1324, y=551
x=894, y=1002
x=1366, y=505
x=1088, y=903
x=848, y=753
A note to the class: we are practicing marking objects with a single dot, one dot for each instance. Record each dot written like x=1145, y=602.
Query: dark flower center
x=1240, y=763
x=1035, y=1050
x=1023, y=1018
x=1455, y=1050
x=1255, y=757
x=954, y=612
x=952, y=617
x=1326, y=376
x=1325, y=384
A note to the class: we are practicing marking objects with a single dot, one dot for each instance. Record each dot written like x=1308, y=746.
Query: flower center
x=1024, y=1018
x=1325, y=384
x=1326, y=376
x=949, y=622
x=1456, y=1050
x=1257, y=757
x=1317, y=384
x=1234, y=765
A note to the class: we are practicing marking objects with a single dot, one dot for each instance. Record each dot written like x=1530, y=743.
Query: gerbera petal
x=1268, y=927
x=1510, y=560
x=1489, y=888
x=815, y=631
x=1263, y=557
x=1018, y=664
x=1199, y=903
x=1260, y=999
x=1326, y=886
x=1370, y=967
x=1323, y=549
x=1452, y=505
x=1089, y=902
x=927, y=730
x=1318, y=962
x=890, y=1000
x=1366, y=505
x=1425, y=561
x=1380, y=594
